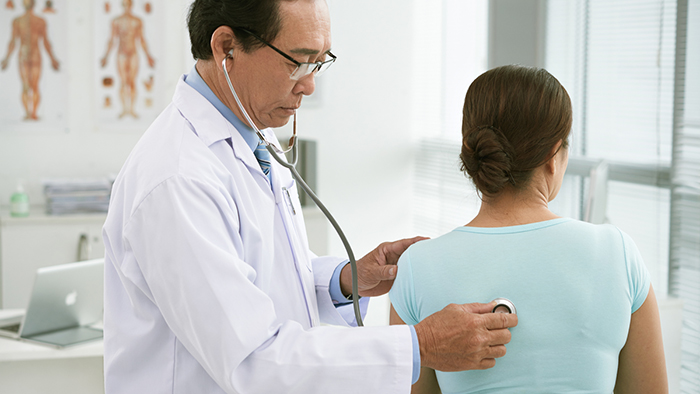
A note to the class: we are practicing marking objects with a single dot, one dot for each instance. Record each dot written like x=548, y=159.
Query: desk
x=29, y=368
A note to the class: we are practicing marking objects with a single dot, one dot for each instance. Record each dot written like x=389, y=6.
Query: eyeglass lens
x=305, y=69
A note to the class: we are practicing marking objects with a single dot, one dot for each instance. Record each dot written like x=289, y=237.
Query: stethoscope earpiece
x=504, y=305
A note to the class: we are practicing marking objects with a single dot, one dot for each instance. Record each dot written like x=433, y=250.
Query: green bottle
x=19, y=203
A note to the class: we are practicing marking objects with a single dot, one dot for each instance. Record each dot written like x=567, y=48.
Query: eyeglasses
x=303, y=68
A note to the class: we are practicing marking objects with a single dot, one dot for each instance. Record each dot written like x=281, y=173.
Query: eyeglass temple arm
x=291, y=59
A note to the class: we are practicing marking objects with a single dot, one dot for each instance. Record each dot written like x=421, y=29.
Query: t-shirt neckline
x=513, y=229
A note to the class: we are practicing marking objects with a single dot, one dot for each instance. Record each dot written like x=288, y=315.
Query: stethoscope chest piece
x=504, y=305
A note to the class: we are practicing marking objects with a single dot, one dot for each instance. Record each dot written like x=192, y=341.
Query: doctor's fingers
x=476, y=307
x=454, y=339
x=489, y=356
x=487, y=363
x=462, y=359
x=483, y=358
x=391, y=251
x=497, y=321
x=385, y=272
x=374, y=280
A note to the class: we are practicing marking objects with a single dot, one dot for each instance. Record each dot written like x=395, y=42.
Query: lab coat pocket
x=296, y=231
x=293, y=206
x=295, y=223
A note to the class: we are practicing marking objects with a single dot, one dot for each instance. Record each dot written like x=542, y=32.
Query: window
x=624, y=63
x=617, y=61
x=450, y=55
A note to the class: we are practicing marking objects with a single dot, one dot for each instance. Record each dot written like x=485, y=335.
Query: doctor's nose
x=305, y=85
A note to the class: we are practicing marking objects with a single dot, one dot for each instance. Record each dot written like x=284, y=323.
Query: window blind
x=628, y=83
x=630, y=67
x=616, y=60
x=445, y=198
x=684, y=278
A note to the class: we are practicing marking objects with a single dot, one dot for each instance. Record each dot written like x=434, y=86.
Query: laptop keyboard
x=11, y=328
x=69, y=336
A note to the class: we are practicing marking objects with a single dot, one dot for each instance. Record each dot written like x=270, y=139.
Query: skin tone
x=514, y=207
x=460, y=337
x=30, y=30
x=128, y=29
x=642, y=366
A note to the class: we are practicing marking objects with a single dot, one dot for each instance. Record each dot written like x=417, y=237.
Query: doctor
x=209, y=283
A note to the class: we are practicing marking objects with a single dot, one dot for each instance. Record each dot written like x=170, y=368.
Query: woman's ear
x=551, y=164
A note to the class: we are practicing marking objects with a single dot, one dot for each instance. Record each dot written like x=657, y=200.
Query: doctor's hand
x=377, y=270
x=464, y=337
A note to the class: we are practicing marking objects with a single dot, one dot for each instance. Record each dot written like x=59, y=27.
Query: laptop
x=66, y=300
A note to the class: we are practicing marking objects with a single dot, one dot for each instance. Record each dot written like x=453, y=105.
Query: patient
x=588, y=318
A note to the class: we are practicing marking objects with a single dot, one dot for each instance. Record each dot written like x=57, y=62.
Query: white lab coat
x=209, y=283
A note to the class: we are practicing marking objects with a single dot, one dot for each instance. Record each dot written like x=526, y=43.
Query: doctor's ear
x=222, y=43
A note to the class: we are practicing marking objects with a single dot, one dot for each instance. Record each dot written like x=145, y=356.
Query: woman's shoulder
x=607, y=230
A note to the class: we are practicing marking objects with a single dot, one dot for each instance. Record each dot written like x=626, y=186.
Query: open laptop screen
x=64, y=297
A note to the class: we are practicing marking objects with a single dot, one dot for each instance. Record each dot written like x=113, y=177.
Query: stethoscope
x=503, y=305
x=275, y=152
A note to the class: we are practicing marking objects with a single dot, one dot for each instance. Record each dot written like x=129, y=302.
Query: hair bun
x=487, y=157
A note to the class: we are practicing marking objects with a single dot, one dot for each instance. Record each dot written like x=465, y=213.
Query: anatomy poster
x=128, y=54
x=33, y=64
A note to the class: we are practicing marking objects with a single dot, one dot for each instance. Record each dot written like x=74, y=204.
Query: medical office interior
x=382, y=133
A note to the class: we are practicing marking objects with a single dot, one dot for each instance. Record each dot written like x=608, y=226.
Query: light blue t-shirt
x=574, y=285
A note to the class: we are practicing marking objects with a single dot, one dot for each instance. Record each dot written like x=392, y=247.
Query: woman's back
x=575, y=286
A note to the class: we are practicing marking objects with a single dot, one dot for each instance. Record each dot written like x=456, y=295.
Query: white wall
x=362, y=122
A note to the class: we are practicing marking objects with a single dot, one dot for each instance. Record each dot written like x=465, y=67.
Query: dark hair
x=513, y=117
x=259, y=16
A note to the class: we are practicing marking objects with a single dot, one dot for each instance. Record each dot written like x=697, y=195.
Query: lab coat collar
x=211, y=126
x=195, y=80
x=208, y=123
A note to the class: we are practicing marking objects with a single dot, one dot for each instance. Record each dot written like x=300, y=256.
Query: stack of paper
x=77, y=196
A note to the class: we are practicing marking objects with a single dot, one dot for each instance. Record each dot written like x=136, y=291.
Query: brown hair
x=513, y=117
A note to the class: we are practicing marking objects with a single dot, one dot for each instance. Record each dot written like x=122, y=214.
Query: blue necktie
x=263, y=157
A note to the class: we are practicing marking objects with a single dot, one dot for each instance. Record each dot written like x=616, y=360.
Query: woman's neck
x=512, y=208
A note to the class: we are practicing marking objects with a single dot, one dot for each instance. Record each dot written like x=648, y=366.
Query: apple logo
x=71, y=298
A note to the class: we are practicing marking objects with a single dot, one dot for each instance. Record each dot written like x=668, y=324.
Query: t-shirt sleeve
x=402, y=293
x=638, y=277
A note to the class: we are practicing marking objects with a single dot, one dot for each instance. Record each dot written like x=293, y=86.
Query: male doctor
x=209, y=283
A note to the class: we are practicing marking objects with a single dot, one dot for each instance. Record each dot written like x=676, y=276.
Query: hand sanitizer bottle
x=19, y=203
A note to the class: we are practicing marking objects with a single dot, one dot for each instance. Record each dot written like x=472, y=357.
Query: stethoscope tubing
x=292, y=167
x=331, y=219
